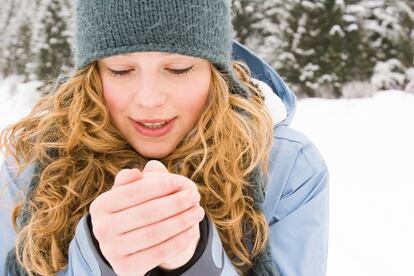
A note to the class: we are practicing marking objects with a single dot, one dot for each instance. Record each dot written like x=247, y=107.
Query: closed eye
x=114, y=73
x=181, y=72
x=178, y=72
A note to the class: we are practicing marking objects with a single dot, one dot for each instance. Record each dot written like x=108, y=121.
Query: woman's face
x=144, y=88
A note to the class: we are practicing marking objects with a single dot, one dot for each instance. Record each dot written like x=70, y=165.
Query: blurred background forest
x=322, y=48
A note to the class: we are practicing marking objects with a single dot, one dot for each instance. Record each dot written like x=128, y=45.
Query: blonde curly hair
x=70, y=136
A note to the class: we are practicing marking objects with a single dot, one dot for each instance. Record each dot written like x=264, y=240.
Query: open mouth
x=154, y=129
x=153, y=125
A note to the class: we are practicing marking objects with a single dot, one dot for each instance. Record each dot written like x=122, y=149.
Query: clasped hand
x=148, y=219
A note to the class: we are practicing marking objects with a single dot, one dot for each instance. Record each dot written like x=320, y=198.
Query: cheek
x=194, y=97
x=112, y=98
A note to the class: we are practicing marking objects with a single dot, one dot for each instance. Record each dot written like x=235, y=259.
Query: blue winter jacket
x=295, y=206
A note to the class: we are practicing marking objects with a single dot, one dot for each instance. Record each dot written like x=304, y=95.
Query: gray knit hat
x=200, y=28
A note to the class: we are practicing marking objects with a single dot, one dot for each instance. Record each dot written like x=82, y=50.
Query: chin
x=154, y=154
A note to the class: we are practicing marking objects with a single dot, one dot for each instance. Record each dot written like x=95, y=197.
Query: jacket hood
x=279, y=99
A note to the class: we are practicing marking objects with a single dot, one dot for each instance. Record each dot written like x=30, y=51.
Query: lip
x=154, y=120
x=156, y=132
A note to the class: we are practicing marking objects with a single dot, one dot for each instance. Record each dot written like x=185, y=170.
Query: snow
x=16, y=99
x=385, y=75
x=336, y=29
x=391, y=74
x=368, y=146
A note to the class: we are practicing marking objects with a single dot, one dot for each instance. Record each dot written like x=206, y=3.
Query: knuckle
x=96, y=205
x=175, y=181
x=185, y=220
x=181, y=201
x=189, y=182
x=93, y=207
x=100, y=229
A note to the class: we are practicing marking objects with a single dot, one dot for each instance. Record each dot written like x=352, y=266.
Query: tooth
x=154, y=125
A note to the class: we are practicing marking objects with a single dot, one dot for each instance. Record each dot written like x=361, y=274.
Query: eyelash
x=177, y=72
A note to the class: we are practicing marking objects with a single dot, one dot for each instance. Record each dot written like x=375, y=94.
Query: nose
x=149, y=93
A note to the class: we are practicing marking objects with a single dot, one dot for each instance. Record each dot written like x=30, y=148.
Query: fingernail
x=198, y=213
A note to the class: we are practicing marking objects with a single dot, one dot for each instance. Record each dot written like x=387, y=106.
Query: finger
x=154, y=166
x=126, y=176
x=127, y=196
x=155, y=255
x=155, y=210
x=151, y=235
x=154, y=174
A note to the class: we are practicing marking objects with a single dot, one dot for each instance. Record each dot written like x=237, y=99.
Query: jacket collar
x=263, y=72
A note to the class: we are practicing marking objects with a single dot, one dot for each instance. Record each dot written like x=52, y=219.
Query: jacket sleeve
x=83, y=256
x=213, y=260
x=299, y=225
x=10, y=194
x=85, y=259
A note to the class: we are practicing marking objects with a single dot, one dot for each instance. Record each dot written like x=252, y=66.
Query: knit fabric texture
x=200, y=28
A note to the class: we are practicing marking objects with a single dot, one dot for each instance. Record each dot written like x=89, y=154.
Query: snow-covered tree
x=318, y=46
x=388, y=26
x=15, y=47
x=270, y=42
x=315, y=47
x=246, y=14
x=51, y=39
x=36, y=37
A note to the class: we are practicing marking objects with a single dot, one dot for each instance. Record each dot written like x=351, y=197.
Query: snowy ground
x=369, y=147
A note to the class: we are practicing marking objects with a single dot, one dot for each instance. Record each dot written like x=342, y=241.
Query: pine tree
x=315, y=52
x=6, y=13
x=246, y=15
x=388, y=27
x=15, y=48
x=406, y=36
x=36, y=38
x=269, y=42
x=51, y=39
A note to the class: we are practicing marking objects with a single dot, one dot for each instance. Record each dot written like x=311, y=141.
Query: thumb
x=126, y=176
x=154, y=166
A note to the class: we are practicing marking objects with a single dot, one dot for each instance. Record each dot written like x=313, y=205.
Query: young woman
x=161, y=154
